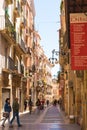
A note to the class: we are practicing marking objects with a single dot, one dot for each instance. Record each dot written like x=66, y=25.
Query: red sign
x=78, y=41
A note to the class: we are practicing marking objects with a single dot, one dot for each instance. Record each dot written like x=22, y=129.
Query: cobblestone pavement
x=49, y=119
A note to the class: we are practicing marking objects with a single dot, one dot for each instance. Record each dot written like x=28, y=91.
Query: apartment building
x=16, y=36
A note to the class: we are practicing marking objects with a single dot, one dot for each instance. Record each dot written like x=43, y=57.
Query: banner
x=78, y=41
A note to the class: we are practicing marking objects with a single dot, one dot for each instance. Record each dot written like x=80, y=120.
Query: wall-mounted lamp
x=63, y=53
x=54, y=60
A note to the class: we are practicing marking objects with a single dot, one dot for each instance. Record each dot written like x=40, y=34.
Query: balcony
x=10, y=28
x=23, y=2
x=22, y=69
x=31, y=28
x=33, y=46
x=12, y=67
x=41, y=72
x=23, y=23
x=22, y=45
x=8, y=2
x=28, y=72
x=27, y=32
x=28, y=50
x=16, y=12
x=7, y=29
x=11, y=64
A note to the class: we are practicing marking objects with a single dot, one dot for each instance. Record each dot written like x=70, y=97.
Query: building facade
x=75, y=89
x=14, y=51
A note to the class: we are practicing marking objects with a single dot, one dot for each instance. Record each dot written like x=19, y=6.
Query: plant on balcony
x=61, y=6
x=6, y=12
x=12, y=31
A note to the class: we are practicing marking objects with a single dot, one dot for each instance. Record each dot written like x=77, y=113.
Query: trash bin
x=72, y=119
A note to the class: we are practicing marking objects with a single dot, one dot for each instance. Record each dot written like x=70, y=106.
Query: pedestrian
x=7, y=110
x=55, y=102
x=42, y=104
x=47, y=102
x=38, y=104
x=25, y=105
x=60, y=103
x=30, y=104
x=15, y=112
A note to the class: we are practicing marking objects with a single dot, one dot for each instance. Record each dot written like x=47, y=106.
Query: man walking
x=30, y=103
x=15, y=112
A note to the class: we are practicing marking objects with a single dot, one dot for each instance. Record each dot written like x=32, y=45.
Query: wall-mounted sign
x=78, y=41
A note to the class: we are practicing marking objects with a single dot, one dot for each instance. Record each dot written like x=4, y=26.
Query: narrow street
x=49, y=119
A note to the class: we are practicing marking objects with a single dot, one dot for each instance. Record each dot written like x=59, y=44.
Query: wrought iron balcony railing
x=10, y=28
x=13, y=67
x=22, y=45
x=5, y=24
x=11, y=64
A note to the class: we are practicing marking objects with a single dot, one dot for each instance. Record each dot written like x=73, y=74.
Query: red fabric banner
x=78, y=41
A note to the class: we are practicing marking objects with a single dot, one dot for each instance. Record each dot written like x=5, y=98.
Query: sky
x=47, y=23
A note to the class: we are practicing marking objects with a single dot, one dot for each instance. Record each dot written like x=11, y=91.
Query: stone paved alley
x=52, y=118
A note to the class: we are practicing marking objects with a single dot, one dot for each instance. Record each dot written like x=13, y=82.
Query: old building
x=14, y=48
x=73, y=13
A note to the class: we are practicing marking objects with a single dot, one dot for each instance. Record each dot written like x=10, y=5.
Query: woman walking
x=7, y=110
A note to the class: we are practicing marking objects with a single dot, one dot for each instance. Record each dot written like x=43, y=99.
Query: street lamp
x=63, y=53
x=54, y=60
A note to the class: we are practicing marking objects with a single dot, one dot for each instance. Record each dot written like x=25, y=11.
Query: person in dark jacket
x=25, y=105
x=30, y=104
x=7, y=108
x=47, y=102
x=38, y=104
x=15, y=112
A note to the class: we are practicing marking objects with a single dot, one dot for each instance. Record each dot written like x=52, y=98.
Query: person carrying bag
x=7, y=110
